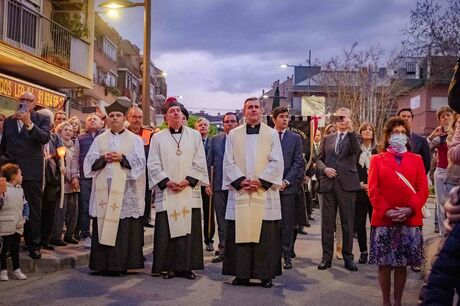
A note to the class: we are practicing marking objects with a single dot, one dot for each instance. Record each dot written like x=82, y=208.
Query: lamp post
x=147, y=4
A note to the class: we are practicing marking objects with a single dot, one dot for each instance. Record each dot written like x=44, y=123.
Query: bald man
x=24, y=135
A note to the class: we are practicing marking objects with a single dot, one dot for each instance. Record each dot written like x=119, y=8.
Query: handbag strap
x=405, y=180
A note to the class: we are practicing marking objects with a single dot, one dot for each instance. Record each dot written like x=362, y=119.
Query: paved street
x=303, y=285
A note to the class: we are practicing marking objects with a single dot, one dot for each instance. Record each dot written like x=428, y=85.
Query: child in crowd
x=13, y=215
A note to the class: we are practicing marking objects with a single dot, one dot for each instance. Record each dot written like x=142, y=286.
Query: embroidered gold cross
x=174, y=215
x=114, y=206
x=102, y=204
x=185, y=211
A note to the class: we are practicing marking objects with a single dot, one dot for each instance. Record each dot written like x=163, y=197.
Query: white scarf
x=365, y=157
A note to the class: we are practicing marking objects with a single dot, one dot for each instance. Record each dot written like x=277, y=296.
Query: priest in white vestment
x=253, y=172
x=177, y=169
x=116, y=162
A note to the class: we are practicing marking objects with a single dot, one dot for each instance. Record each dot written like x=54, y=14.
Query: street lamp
x=147, y=4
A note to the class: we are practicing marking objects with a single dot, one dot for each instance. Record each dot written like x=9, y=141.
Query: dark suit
x=339, y=191
x=215, y=159
x=26, y=149
x=294, y=164
x=208, y=229
x=419, y=145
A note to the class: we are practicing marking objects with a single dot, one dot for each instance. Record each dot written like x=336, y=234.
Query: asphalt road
x=303, y=285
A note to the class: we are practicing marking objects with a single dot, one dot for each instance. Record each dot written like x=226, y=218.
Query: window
x=110, y=79
x=22, y=25
x=109, y=49
x=437, y=102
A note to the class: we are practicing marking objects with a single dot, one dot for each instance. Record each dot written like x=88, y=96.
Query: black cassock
x=127, y=252
x=177, y=254
x=254, y=260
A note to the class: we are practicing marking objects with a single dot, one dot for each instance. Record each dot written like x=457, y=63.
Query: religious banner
x=314, y=106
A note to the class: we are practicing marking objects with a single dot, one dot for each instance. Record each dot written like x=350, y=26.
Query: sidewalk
x=72, y=256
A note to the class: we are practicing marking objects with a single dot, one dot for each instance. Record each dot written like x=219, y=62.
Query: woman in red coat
x=398, y=189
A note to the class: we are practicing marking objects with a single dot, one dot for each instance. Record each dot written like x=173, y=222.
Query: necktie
x=280, y=134
x=339, y=143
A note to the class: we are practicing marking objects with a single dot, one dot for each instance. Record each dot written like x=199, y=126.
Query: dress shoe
x=188, y=275
x=35, y=254
x=324, y=265
x=217, y=252
x=148, y=225
x=169, y=275
x=47, y=247
x=311, y=218
x=240, y=282
x=58, y=242
x=436, y=229
x=351, y=266
x=302, y=231
x=363, y=258
x=209, y=247
x=267, y=283
x=70, y=240
x=287, y=264
x=217, y=259
x=416, y=269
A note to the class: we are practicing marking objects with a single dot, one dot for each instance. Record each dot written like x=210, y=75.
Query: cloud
x=232, y=48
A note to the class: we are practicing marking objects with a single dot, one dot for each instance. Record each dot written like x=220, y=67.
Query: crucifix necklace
x=178, y=150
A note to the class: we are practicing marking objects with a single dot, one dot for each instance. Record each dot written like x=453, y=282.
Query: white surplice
x=133, y=204
x=163, y=162
x=272, y=173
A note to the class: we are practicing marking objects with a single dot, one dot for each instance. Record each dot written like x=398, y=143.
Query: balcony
x=37, y=47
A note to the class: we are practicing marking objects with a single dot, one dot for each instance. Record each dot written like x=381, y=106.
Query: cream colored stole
x=108, y=205
x=250, y=207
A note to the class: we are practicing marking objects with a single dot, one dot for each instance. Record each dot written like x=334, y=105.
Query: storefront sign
x=13, y=88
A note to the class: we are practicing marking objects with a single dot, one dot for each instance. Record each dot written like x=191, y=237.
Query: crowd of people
x=253, y=179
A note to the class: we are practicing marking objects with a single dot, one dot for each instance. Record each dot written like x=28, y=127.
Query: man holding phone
x=24, y=135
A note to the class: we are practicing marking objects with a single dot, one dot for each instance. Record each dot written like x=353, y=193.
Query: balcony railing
x=37, y=34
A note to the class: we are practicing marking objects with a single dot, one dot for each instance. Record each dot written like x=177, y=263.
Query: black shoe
x=416, y=269
x=311, y=218
x=240, y=281
x=287, y=264
x=48, y=247
x=209, y=247
x=148, y=225
x=363, y=258
x=324, y=265
x=266, y=283
x=169, y=275
x=217, y=252
x=188, y=275
x=351, y=266
x=70, y=240
x=217, y=259
x=35, y=254
x=436, y=229
x=58, y=242
x=302, y=232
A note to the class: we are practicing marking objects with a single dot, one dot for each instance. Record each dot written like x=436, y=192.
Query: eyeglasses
x=26, y=100
x=230, y=121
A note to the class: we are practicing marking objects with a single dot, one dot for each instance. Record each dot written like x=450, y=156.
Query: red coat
x=387, y=190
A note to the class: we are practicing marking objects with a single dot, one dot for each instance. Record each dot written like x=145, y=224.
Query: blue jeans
x=83, y=207
x=441, y=195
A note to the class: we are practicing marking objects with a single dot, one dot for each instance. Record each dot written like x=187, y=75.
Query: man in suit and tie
x=219, y=197
x=339, y=183
x=202, y=125
x=24, y=135
x=291, y=144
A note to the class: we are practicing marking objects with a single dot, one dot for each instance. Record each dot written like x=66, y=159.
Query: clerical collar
x=252, y=129
x=175, y=131
x=115, y=133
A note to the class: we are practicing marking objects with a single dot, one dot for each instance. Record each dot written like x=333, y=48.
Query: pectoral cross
x=185, y=211
x=174, y=215
x=114, y=206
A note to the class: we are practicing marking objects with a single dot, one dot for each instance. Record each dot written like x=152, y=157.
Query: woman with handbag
x=398, y=189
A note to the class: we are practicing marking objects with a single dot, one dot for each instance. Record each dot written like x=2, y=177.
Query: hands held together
x=177, y=187
x=251, y=185
x=112, y=157
x=399, y=214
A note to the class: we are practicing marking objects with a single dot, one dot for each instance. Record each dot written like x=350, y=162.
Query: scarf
x=365, y=156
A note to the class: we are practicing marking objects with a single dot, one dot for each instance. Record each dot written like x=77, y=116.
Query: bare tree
x=434, y=29
x=356, y=81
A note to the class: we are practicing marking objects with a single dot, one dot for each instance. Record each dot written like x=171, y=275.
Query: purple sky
x=217, y=53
